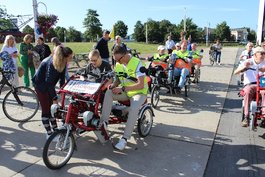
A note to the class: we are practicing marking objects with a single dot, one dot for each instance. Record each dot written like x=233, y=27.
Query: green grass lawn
x=85, y=47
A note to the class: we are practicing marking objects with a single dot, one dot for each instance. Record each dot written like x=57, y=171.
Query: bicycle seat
x=127, y=102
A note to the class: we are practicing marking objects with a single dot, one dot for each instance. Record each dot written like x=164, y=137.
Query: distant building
x=239, y=34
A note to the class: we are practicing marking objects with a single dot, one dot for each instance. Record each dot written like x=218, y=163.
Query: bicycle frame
x=260, y=86
x=4, y=82
x=81, y=102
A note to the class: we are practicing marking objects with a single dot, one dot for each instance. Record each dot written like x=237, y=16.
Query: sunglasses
x=118, y=60
x=93, y=60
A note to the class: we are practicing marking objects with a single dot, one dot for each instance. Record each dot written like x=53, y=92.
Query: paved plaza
x=180, y=143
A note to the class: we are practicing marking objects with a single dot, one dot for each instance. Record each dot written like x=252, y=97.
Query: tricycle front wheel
x=58, y=149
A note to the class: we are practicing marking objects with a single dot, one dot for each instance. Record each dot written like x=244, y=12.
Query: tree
x=223, y=32
x=166, y=28
x=120, y=29
x=5, y=23
x=153, y=33
x=191, y=29
x=139, y=34
x=50, y=34
x=251, y=35
x=60, y=33
x=92, y=25
x=28, y=30
x=73, y=35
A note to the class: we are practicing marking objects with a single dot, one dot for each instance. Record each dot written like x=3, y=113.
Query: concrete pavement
x=179, y=145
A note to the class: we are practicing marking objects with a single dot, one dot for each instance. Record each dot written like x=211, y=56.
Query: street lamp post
x=207, y=34
x=37, y=30
x=184, y=21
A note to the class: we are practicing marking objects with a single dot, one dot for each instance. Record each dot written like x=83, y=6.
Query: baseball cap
x=258, y=49
x=161, y=47
x=177, y=44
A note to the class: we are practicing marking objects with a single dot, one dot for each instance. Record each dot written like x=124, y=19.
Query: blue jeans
x=218, y=57
x=182, y=72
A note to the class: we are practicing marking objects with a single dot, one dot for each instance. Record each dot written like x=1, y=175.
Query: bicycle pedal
x=101, y=137
x=79, y=132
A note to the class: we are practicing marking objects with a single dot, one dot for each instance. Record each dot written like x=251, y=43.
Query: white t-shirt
x=245, y=54
x=10, y=50
x=170, y=44
x=250, y=75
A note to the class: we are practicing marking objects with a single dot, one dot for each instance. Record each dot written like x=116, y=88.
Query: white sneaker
x=121, y=144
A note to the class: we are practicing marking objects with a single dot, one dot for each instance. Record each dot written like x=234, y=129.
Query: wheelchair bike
x=83, y=114
x=256, y=105
x=158, y=72
x=195, y=69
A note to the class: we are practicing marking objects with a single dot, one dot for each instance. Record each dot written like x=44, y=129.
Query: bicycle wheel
x=197, y=75
x=20, y=104
x=145, y=122
x=155, y=96
x=58, y=149
x=252, y=122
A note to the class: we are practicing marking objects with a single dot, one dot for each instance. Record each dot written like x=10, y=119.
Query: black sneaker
x=178, y=90
x=262, y=123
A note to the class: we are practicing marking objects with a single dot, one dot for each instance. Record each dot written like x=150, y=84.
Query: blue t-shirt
x=46, y=77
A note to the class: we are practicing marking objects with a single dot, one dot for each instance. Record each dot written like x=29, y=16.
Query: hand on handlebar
x=117, y=90
x=188, y=60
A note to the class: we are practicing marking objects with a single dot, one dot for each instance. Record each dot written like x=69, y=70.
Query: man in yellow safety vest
x=123, y=89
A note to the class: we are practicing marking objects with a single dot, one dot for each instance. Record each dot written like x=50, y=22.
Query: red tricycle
x=83, y=114
x=256, y=105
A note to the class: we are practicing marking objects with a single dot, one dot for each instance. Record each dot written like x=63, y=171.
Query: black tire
x=21, y=104
x=252, y=122
x=242, y=113
x=155, y=96
x=197, y=75
x=145, y=121
x=211, y=60
x=54, y=155
x=187, y=87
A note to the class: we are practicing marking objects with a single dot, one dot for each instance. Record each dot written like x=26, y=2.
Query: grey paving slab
x=237, y=151
x=153, y=156
x=179, y=144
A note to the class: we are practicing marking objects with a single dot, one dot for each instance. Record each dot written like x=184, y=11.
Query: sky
x=236, y=13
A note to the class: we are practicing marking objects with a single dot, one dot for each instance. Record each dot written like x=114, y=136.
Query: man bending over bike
x=123, y=89
x=250, y=83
